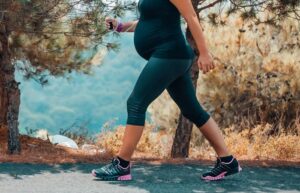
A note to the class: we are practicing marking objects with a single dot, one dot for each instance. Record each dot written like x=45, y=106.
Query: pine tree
x=39, y=36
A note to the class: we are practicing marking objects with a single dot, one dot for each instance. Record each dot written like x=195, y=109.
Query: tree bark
x=3, y=91
x=9, y=91
x=181, y=143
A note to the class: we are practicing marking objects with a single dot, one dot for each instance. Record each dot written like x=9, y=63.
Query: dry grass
x=248, y=144
x=152, y=143
x=34, y=150
x=255, y=143
x=255, y=78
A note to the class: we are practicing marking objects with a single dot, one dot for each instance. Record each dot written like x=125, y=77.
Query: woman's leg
x=154, y=78
x=183, y=93
x=213, y=134
x=130, y=140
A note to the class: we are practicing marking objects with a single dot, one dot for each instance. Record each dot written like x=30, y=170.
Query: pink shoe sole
x=124, y=178
x=219, y=177
x=120, y=178
x=211, y=178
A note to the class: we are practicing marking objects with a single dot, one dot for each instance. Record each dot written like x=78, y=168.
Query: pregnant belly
x=171, y=47
x=149, y=39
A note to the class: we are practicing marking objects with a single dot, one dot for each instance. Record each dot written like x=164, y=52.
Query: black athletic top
x=158, y=32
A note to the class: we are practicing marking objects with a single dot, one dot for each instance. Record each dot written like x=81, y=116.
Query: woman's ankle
x=123, y=162
x=226, y=158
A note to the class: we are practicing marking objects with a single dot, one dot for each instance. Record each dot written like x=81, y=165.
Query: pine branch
x=249, y=5
x=210, y=5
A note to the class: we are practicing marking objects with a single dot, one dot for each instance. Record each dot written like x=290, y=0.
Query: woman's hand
x=205, y=62
x=114, y=22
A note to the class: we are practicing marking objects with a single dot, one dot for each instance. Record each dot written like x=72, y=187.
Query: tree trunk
x=9, y=91
x=181, y=143
x=3, y=92
x=180, y=147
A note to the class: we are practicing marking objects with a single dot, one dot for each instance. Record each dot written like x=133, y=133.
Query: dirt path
x=147, y=178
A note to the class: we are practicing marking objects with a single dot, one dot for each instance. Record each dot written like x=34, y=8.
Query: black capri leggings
x=158, y=74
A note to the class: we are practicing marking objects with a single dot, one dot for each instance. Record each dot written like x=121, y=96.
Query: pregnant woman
x=158, y=38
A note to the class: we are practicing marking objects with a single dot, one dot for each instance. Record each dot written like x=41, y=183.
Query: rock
x=42, y=134
x=63, y=140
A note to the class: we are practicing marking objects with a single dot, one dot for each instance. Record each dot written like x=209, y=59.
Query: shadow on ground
x=172, y=178
x=186, y=178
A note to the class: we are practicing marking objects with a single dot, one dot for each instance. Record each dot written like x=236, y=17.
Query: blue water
x=87, y=100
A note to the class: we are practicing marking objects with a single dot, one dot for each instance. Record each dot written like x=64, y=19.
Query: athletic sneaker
x=222, y=169
x=113, y=171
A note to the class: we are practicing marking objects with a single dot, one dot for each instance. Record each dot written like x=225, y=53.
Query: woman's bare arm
x=187, y=11
x=129, y=26
x=185, y=7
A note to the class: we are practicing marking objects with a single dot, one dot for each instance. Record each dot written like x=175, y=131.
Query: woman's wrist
x=203, y=51
x=202, y=47
x=119, y=27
